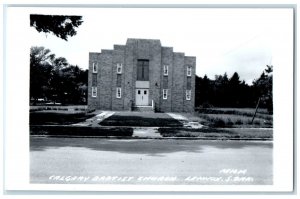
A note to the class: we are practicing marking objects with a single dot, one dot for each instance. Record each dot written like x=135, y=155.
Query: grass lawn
x=235, y=117
x=249, y=112
x=57, y=118
x=141, y=119
x=241, y=110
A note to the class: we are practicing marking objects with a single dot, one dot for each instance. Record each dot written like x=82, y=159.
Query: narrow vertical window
x=188, y=83
x=189, y=71
x=143, y=70
x=119, y=92
x=95, y=67
x=119, y=68
x=94, y=91
x=119, y=80
x=166, y=70
x=188, y=94
x=165, y=93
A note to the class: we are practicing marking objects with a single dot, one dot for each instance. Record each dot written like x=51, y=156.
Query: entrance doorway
x=142, y=97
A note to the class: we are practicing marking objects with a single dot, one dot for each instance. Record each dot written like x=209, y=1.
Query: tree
x=61, y=26
x=221, y=89
x=223, y=92
x=203, y=92
x=235, y=79
x=264, y=88
x=41, y=60
x=60, y=63
x=233, y=91
x=54, y=79
x=70, y=85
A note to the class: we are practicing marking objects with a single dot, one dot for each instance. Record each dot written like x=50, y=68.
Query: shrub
x=238, y=122
x=80, y=131
x=229, y=122
x=249, y=122
x=44, y=118
x=268, y=122
x=91, y=110
x=217, y=122
x=207, y=105
x=256, y=122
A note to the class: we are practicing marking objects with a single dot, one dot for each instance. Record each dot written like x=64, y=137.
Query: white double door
x=142, y=97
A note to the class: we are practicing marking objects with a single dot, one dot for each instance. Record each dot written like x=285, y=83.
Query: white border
x=17, y=51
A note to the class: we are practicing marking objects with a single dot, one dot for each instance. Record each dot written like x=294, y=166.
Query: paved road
x=133, y=161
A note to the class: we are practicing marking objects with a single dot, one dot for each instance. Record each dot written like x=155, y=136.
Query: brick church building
x=141, y=75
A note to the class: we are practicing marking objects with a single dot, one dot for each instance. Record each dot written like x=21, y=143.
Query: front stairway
x=143, y=109
x=150, y=109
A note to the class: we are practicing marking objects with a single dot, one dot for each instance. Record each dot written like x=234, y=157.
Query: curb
x=155, y=138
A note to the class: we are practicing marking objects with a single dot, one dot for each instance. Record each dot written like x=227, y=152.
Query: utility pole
x=255, y=110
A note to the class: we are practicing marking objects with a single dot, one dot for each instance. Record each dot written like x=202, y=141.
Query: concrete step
x=146, y=132
x=143, y=108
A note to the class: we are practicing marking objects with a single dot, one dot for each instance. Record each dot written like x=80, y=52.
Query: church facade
x=141, y=74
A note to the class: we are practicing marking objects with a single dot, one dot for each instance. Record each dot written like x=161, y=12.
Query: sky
x=223, y=40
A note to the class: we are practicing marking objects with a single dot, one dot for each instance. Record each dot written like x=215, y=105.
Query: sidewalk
x=94, y=121
x=146, y=132
x=185, y=121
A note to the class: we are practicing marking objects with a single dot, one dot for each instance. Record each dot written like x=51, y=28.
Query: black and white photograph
x=171, y=98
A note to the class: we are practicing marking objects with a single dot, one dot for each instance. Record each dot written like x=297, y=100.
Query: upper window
x=189, y=71
x=95, y=67
x=119, y=68
x=166, y=70
x=119, y=92
x=188, y=94
x=143, y=70
x=94, y=91
x=165, y=93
